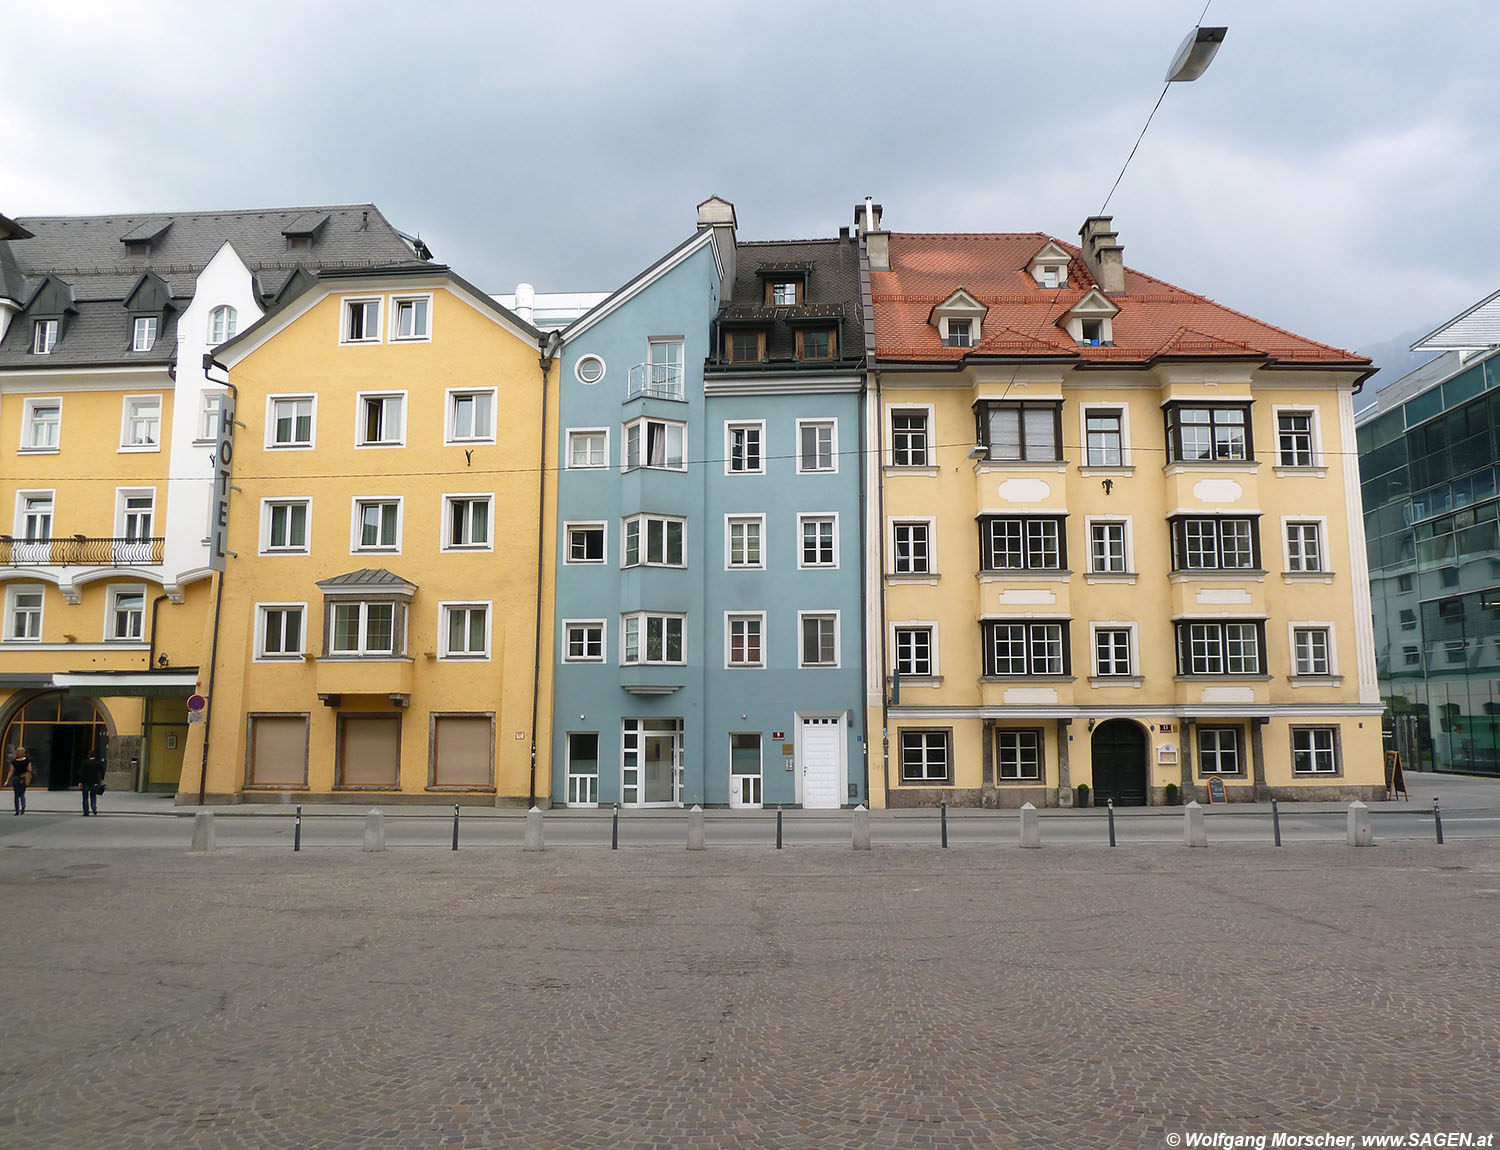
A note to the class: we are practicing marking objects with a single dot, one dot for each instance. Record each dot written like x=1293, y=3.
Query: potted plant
x=1171, y=794
x=1083, y=794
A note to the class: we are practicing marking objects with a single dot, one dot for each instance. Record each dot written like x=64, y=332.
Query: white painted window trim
x=112, y=593
x=445, y=608
x=312, y=430
x=201, y=435
x=378, y=326
x=729, y=427
x=1321, y=521
x=356, y=524
x=228, y=311
x=838, y=640
x=121, y=495
x=567, y=542
x=266, y=504
x=729, y=618
x=645, y=420
x=729, y=520
x=394, y=309
x=644, y=616
x=28, y=423
x=12, y=592
x=1296, y=625
x=645, y=518
x=833, y=445
x=578, y=365
x=891, y=523
x=130, y=408
x=1126, y=459
x=931, y=625
x=1134, y=652
x=450, y=400
x=444, y=543
x=930, y=465
x=603, y=627
x=360, y=442
x=568, y=463
x=149, y=323
x=260, y=633
x=1316, y=426
x=1088, y=544
x=18, y=530
x=803, y=517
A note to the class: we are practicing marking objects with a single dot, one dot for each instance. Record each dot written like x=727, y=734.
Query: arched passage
x=1118, y=750
x=58, y=730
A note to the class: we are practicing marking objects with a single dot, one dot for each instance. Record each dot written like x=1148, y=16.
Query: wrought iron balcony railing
x=657, y=380
x=80, y=551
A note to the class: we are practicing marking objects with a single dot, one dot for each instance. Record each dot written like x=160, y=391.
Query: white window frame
x=644, y=620
x=730, y=521
x=1132, y=650
x=1089, y=522
x=424, y=336
x=138, y=549
x=1126, y=461
x=1331, y=650
x=268, y=508
x=1217, y=768
x=372, y=330
x=13, y=612
x=929, y=454
x=449, y=498
x=934, y=671
x=581, y=434
x=1315, y=435
x=585, y=626
x=210, y=411
x=586, y=525
x=30, y=424
x=893, y=525
x=1320, y=525
x=362, y=400
x=1334, y=751
x=33, y=546
x=445, y=613
x=644, y=422
x=833, y=517
x=398, y=628
x=679, y=385
x=112, y=595
x=838, y=639
x=150, y=326
x=450, y=412
x=730, y=427
x=230, y=317
x=730, y=619
x=357, y=505
x=833, y=446
x=44, y=336
x=1020, y=735
x=262, y=610
x=643, y=540
x=312, y=423
x=136, y=410
x=590, y=357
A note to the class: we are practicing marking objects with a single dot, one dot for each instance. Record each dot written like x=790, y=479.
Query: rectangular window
x=910, y=551
x=583, y=641
x=1107, y=548
x=816, y=446
x=588, y=449
x=380, y=421
x=744, y=345
x=914, y=651
x=44, y=336
x=1315, y=750
x=743, y=448
x=1208, y=433
x=585, y=543
x=815, y=343
x=820, y=640
x=654, y=541
x=468, y=522
x=471, y=417
x=744, y=637
x=1219, y=648
x=666, y=358
x=142, y=423
x=1104, y=431
x=1026, y=648
x=743, y=541
x=1218, y=750
x=466, y=630
x=1112, y=651
x=925, y=757
x=362, y=321
x=783, y=293
x=819, y=547
x=1018, y=755
x=959, y=333
x=127, y=610
x=1310, y=651
x=34, y=531
x=135, y=514
x=1304, y=546
x=143, y=333
x=284, y=525
x=411, y=320
x=364, y=629
x=909, y=439
x=208, y=416
x=25, y=623
x=648, y=638
x=1215, y=544
x=281, y=631
x=1294, y=439
x=1021, y=432
x=655, y=443
x=1021, y=544
x=41, y=423
x=377, y=524
x=291, y=422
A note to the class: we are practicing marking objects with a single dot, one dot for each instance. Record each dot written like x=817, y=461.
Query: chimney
x=1103, y=254
x=525, y=301
x=877, y=243
x=718, y=213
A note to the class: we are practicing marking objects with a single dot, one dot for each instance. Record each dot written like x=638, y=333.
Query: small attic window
x=44, y=336
x=783, y=292
x=958, y=320
x=143, y=334
x=958, y=333
x=138, y=247
x=1091, y=332
x=1053, y=276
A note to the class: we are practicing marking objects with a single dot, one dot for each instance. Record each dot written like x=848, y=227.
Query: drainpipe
x=151, y=649
x=864, y=596
x=213, y=651
x=548, y=346
x=885, y=724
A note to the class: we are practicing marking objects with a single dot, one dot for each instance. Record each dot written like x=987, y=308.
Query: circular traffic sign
x=196, y=702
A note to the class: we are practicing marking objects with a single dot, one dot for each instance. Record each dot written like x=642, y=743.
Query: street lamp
x=1195, y=55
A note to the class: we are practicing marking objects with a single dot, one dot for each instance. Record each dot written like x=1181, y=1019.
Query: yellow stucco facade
x=378, y=627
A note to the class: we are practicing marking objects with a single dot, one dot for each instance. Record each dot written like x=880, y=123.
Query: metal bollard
x=778, y=828
x=1110, y=806
x=614, y=830
x=455, y=826
x=943, y=818
x=1437, y=820
x=297, y=830
x=1276, y=821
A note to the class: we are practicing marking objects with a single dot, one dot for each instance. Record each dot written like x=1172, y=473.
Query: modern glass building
x=1429, y=458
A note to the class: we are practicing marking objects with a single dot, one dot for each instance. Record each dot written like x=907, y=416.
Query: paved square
x=740, y=997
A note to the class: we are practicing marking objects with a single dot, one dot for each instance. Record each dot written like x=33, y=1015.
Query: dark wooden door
x=1119, y=751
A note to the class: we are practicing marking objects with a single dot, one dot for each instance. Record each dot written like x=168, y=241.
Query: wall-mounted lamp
x=161, y=660
x=1091, y=724
x=978, y=451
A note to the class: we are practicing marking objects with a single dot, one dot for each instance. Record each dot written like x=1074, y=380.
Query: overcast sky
x=1334, y=172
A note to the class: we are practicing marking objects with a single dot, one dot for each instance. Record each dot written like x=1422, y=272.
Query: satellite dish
x=1196, y=54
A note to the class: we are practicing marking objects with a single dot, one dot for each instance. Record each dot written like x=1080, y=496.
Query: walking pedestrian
x=18, y=778
x=91, y=782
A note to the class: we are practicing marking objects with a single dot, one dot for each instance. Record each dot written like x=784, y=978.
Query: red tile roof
x=1156, y=319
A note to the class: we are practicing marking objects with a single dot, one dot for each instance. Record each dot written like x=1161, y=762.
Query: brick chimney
x=877, y=243
x=718, y=214
x=1103, y=253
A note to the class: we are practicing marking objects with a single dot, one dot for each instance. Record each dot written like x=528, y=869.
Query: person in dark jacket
x=18, y=778
x=90, y=782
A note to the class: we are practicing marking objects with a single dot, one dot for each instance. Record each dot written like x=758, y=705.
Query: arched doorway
x=1119, y=758
x=58, y=730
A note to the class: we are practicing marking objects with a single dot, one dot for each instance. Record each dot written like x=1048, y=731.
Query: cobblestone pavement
x=737, y=998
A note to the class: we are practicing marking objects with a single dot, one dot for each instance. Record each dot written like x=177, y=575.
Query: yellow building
x=1120, y=536
x=386, y=565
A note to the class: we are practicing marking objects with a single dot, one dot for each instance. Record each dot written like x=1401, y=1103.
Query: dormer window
x=143, y=337
x=784, y=293
x=1091, y=332
x=742, y=345
x=1090, y=321
x=1049, y=267
x=816, y=343
x=138, y=248
x=222, y=322
x=1052, y=276
x=958, y=333
x=44, y=336
x=958, y=320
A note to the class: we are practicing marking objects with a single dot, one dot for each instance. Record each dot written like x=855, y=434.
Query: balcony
x=80, y=551
x=656, y=381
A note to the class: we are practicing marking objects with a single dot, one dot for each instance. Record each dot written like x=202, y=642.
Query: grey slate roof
x=89, y=253
x=367, y=579
x=832, y=293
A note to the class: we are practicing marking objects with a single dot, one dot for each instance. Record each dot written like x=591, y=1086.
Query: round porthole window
x=589, y=369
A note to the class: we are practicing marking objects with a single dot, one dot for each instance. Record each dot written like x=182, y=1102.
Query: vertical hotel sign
x=218, y=512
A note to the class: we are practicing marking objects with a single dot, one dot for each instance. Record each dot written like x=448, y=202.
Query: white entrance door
x=744, y=770
x=821, y=751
